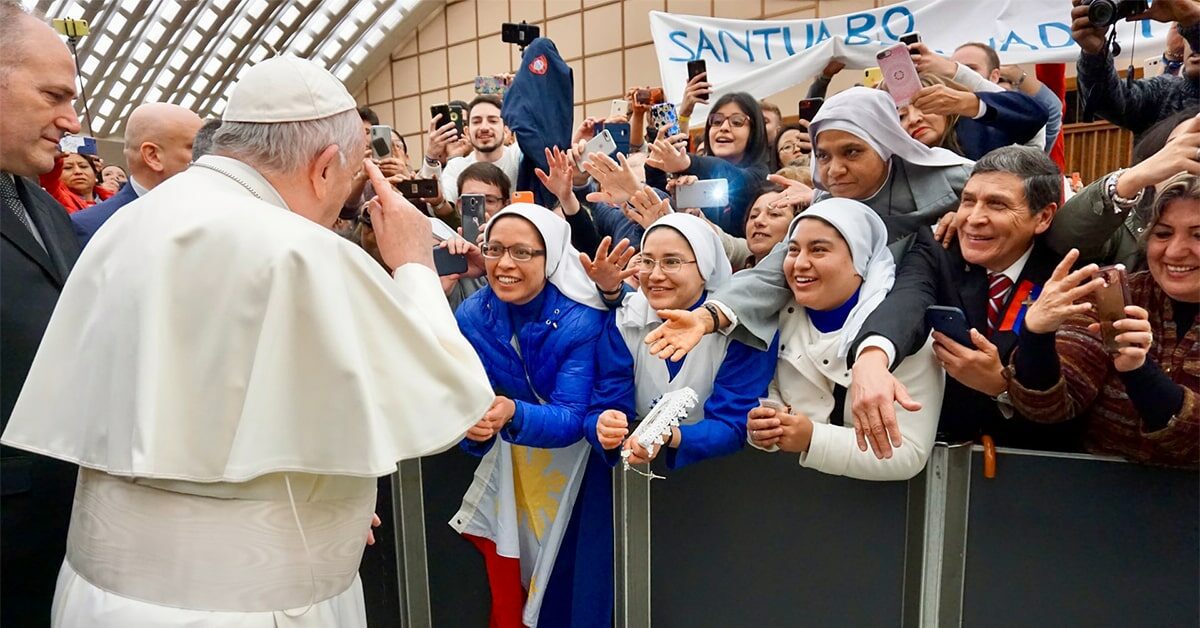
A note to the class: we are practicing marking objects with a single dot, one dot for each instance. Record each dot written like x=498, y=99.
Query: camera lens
x=1102, y=12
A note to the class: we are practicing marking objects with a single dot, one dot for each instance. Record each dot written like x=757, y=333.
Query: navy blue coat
x=88, y=221
x=539, y=108
x=1011, y=118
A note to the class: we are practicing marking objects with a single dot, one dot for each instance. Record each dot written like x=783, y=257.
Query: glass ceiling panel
x=192, y=52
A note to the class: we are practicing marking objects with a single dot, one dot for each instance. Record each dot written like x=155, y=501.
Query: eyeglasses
x=518, y=252
x=669, y=265
x=737, y=120
x=789, y=147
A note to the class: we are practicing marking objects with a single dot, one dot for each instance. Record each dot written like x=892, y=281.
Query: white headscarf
x=870, y=115
x=563, y=268
x=711, y=261
x=863, y=231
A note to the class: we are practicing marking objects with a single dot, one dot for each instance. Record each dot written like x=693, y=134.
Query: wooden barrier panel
x=1094, y=149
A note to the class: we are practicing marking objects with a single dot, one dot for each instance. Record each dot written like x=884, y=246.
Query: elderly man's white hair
x=286, y=147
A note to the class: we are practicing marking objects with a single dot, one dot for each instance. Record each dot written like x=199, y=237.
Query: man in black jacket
x=37, y=249
x=992, y=271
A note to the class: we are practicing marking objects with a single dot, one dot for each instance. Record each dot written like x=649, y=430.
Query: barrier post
x=412, y=569
x=632, y=548
x=935, y=553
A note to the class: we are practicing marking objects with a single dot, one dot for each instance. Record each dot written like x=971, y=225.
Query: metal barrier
x=755, y=540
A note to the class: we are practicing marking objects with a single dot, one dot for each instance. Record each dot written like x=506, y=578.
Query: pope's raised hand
x=402, y=232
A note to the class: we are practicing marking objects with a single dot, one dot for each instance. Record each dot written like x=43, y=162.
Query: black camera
x=1105, y=13
x=521, y=34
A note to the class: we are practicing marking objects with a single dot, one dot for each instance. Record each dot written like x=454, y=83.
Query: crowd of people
x=875, y=279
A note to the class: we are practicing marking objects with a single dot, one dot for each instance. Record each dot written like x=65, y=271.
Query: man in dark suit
x=158, y=146
x=991, y=272
x=37, y=250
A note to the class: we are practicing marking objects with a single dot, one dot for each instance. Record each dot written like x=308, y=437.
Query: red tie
x=998, y=286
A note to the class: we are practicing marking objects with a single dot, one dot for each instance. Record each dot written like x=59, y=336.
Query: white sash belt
x=205, y=553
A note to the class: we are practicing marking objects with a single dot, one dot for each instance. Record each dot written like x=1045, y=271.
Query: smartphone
x=603, y=143
x=473, y=215
x=665, y=118
x=447, y=263
x=415, y=189
x=618, y=107
x=703, y=193
x=1152, y=67
x=381, y=141
x=809, y=107
x=909, y=39
x=524, y=196
x=767, y=402
x=620, y=134
x=899, y=74
x=491, y=85
x=951, y=322
x=1110, y=303
x=697, y=67
x=449, y=114
x=872, y=77
x=521, y=34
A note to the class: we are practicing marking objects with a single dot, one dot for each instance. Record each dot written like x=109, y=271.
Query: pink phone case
x=899, y=74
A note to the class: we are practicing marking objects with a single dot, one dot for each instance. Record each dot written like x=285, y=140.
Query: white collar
x=138, y=188
x=1014, y=272
x=244, y=175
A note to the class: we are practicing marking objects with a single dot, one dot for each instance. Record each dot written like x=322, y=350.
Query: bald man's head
x=158, y=141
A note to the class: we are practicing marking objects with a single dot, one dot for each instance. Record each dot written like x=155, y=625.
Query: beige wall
x=606, y=42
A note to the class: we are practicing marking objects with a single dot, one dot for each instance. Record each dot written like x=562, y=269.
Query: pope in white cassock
x=239, y=375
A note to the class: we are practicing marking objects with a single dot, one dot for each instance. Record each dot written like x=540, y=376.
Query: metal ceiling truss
x=190, y=52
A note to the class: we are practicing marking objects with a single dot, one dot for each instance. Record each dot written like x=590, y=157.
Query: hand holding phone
x=951, y=322
x=899, y=74
x=1111, y=299
x=448, y=114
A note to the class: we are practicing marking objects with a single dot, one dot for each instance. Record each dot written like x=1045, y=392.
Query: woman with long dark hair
x=735, y=142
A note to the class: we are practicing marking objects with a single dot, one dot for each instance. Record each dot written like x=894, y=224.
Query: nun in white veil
x=839, y=269
x=681, y=260
x=540, y=495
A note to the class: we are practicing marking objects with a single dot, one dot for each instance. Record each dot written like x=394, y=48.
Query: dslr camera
x=1105, y=13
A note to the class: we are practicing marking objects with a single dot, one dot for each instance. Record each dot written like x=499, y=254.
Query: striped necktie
x=998, y=287
x=12, y=203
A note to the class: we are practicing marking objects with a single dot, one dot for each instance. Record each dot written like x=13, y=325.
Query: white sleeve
x=733, y=319
x=834, y=449
x=429, y=171
x=449, y=178
x=971, y=80
x=881, y=342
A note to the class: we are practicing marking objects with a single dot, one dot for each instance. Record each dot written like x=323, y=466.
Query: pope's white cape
x=207, y=335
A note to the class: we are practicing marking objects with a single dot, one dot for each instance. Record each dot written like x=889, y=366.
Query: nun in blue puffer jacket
x=681, y=260
x=540, y=507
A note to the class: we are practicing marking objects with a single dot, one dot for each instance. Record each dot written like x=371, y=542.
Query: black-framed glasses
x=736, y=120
x=518, y=252
x=669, y=265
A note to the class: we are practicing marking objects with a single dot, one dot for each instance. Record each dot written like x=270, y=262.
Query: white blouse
x=807, y=371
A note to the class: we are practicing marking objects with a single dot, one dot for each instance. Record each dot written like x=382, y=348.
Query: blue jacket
x=1011, y=118
x=556, y=363
x=88, y=221
x=539, y=107
x=743, y=378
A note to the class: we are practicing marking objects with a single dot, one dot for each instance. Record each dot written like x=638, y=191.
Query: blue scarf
x=832, y=320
